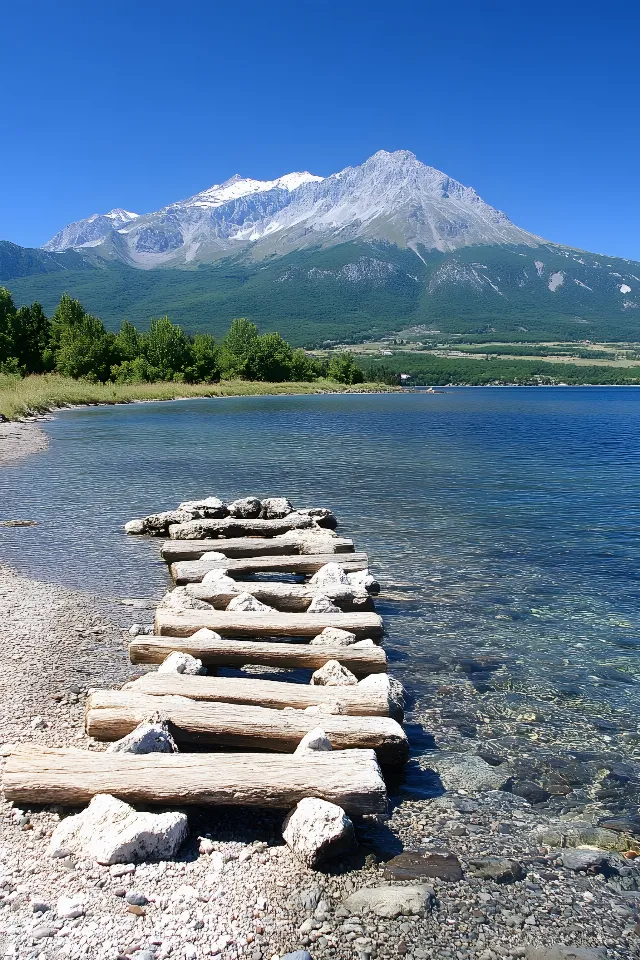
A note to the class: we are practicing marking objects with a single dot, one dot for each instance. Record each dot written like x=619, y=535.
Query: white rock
x=334, y=637
x=313, y=741
x=69, y=908
x=181, y=663
x=333, y=674
x=391, y=687
x=111, y=831
x=135, y=527
x=146, y=738
x=205, y=634
x=210, y=508
x=219, y=578
x=316, y=830
x=246, y=508
x=363, y=580
x=329, y=578
x=322, y=604
x=275, y=508
x=206, y=846
x=247, y=603
x=178, y=599
x=364, y=643
x=211, y=557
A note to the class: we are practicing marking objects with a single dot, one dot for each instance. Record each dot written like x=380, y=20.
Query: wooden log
x=350, y=778
x=356, y=701
x=192, y=571
x=238, y=653
x=232, y=527
x=292, y=597
x=174, y=550
x=232, y=623
x=112, y=714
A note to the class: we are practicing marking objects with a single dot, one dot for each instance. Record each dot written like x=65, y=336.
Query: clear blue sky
x=136, y=104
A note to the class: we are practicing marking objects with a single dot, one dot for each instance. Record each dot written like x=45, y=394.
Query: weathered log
x=230, y=527
x=192, y=571
x=349, y=778
x=292, y=597
x=174, y=550
x=356, y=701
x=237, y=653
x=112, y=714
x=231, y=623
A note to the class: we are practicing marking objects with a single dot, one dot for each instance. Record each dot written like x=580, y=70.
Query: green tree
x=138, y=370
x=206, y=361
x=167, y=347
x=84, y=349
x=343, y=368
x=7, y=322
x=271, y=360
x=128, y=341
x=239, y=349
x=303, y=368
x=31, y=338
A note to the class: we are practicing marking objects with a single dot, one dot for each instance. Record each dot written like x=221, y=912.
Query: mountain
x=392, y=196
x=89, y=232
x=370, y=250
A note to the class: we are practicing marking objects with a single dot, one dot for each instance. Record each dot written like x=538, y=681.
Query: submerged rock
x=420, y=864
x=499, y=869
x=466, y=772
x=391, y=902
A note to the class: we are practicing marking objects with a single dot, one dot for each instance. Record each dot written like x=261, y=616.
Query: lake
x=503, y=524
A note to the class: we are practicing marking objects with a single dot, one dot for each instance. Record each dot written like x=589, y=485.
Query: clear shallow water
x=504, y=524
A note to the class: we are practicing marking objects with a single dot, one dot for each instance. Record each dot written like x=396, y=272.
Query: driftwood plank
x=237, y=653
x=356, y=701
x=112, y=714
x=292, y=597
x=231, y=527
x=192, y=571
x=350, y=778
x=174, y=550
x=235, y=623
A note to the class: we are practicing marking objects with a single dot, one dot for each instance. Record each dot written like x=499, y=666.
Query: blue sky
x=138, y=104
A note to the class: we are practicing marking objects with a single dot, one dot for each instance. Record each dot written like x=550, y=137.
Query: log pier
x=250, y=726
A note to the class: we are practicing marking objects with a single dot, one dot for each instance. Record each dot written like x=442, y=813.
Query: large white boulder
x=181, y=663
x=275, y=508
x=153, y=737
x=333, y=674
x=334, y=637
x=316, y=830
x=247, y=603
x=178, y=599
x=392, y=689
x=330, y=579
x=247, y=508
x=312, y=742
x=322, y=604
x=110, y=831
x=363, y=581
x=210, y=508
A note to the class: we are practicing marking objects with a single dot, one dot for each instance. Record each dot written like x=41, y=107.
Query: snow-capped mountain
x=89, y=232
x=391, y=197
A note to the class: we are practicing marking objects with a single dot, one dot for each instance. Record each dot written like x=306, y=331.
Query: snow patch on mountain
x=91, y=231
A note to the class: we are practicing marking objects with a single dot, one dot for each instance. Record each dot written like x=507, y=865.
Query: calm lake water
x=504, y=524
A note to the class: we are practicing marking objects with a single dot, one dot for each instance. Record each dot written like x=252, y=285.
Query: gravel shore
x=247, y=895
x=20, y=439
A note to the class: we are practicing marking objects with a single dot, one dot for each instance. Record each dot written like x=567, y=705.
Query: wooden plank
x=232, y=623
x=192, y=571
x=350, y=778
x=231, y=527
x=112, y=714
x=292, y=597
x=238, y=653
x=356, y=701
x=173, y=550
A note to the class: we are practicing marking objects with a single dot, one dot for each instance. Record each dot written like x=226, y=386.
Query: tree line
x=76, y=344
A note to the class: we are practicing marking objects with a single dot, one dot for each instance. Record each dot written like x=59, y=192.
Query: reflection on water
x=503, y=523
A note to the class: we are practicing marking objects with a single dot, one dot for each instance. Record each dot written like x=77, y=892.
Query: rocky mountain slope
x=372, y=249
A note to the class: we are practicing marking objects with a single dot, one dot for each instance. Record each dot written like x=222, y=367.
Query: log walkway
x=261, y=716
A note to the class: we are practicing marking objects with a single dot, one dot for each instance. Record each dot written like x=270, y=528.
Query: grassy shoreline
x=43, y=393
